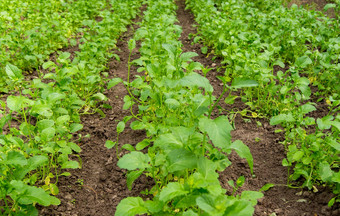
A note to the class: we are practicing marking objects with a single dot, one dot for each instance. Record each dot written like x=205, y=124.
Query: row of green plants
x=286, y=51
x=39, y=118
x=254, y=37
x=31, y=31
x=185, y=146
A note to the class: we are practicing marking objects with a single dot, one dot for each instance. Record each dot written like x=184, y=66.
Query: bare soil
x=97, y=188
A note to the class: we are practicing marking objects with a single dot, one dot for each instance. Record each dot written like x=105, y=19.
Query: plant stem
x=217, y=101
x=128, y=79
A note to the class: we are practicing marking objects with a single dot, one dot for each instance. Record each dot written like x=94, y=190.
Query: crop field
x=170, y=107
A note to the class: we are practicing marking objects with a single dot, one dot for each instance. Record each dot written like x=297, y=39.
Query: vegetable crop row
x=255, y=38
x=39, y=117
x=31, y=32
x=185, y=146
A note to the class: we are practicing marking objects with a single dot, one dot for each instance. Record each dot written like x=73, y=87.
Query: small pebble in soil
x=259, y=201
x=278, y=211
x=70, y=206
x=103, y=176
x=68, y=197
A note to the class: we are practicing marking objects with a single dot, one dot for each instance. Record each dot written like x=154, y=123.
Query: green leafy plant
x=185, y=146
x=39, y=117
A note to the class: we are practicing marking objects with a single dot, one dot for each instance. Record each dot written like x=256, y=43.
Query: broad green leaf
x=75, y=127
x=243, y=83
x=194, y=66
x=154, y=206
x=336, y=124
x=243, y=151
x=239, y=208
x=298, y=155
x=42, y=109
x=45, y=123
x=182, y=133
x=114, y=82
x=267, y=187
x=64, y=55
x=62, y=120
x=279, y=63
x=186, y=201
x=74, y=147
x=218, y=130
x=31, y=194
x=181, y=159
x=127, y=102
x=120, y=127
x=331, y=202
x=70, y=165
x=13, y=72
x=131, y=44
x=275, y=120
x=285, y=162
x=55, y=96
x=137, y=125
x=172, y=103
x=15, y=103
x=325, y=122
x=302, y=83
x=168, y=141
x=230, y=99
x=195, y=80
x=171, y=49
x=307, y=108
x=336, y=177
x=54, y=189
x=101, y=113
x=131, y=206
x=211, y=204
x=325, y=171
x=334, y=144
x=132, y=176
x=303, y=61
x=134, y=160
x=4, y=119
x=252, y=196
x=172, y=190
x=202, y=104
x=48, y=64
x=141, y=145
x=47, y=134
x=128, y=147
x=204, y=50
x=190, y=213
x=206, y=167
x=15, y=158
x=110, y=144
x=25, y=128
x=328, y=6
x=187, y=56
x=37, y=161
x=65, y=174
x=99, y=96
